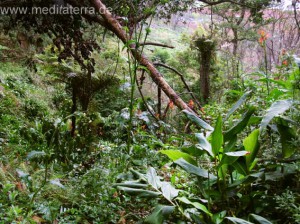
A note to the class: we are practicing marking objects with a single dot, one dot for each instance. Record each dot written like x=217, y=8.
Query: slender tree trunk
x=159, y=102
x=235, y=65
x=204, y=76
x=74, y=108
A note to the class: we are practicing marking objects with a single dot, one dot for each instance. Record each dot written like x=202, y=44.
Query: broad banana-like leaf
x=190, y=168
x=237, y=153
x=204, y=144
x=287, y=135
x=239, y=126
x=276, y=108
x=251, y=144
x=238, y=221
x=176, y=154
x=159, y=214
x=168, y=191
x=139, y=192
x=131, y=184
x=153, y=179
x=259, y=219
x=217, y=137
x=240, y=166
x=238, y=103
x=197, y=205
x=195, y=119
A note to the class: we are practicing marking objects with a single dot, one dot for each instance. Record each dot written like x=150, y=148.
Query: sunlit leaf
x=251, y=144
x=153, y=179
x=204, y=144
x=197, y=205
x=132, y=184
x=217, y=137
x=237, y=153
x=276, y=108
x=219, y=217
x=168, y=191
x=139, y=192
x=176, y=154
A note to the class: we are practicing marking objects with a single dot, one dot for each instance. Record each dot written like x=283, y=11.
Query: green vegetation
x=92, y=131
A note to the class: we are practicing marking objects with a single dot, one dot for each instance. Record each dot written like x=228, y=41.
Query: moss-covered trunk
x=206, y=50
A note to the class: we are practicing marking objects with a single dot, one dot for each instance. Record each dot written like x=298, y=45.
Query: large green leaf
x=237, y=153
x=227, y=160
x=197, y=205
x=217, y=137
x=240, y=166
x=132, y=184
x=139, y=192
x=247, y=180
x=230, y=146
x=176, y=154
x=194, y=150
x=255, y=120
x=238, y=103
x=204, y=144
x=276, y=108
x=287, y=136
x=194, y=118
x=259, y=219
x=159, y=214
x=190, y=168
x=238, y=221
x=153, y=179
x=239, y=126
x=251, y=144
x=219, y=217
x=168, y=191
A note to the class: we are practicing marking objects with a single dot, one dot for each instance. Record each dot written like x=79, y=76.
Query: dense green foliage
x=87, y=137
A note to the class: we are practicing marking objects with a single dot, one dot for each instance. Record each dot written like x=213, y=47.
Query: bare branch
x=294, y=3
x=156, y=44
x=183, y=81
x=143, y=98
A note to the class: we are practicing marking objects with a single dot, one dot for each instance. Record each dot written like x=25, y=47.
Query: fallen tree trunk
x=113, y=25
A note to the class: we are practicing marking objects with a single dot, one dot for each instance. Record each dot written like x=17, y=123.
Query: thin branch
x=211, y=3
x=156, y=44
x=143, y=98
x=182, y=79
x=294, y=3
